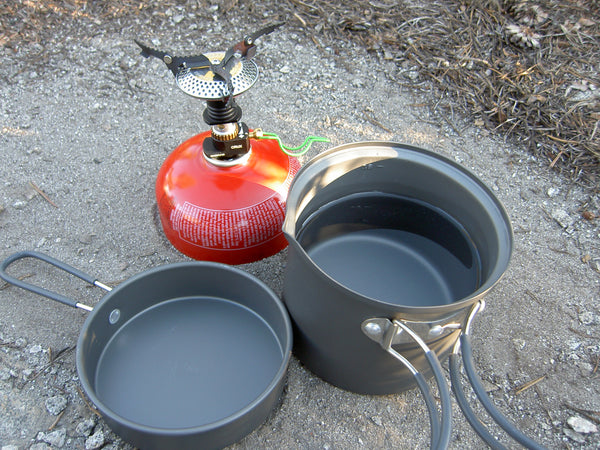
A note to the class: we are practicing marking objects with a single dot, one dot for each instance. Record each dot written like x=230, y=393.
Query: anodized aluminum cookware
x=183, y=356
x=392, y=247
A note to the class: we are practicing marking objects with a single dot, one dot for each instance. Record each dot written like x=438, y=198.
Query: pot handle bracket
x=463, y=345
x=384, y=332
x=45, y=292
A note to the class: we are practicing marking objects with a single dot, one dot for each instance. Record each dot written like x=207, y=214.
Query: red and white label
x=232, y=229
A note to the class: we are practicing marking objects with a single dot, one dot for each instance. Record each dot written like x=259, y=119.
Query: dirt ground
x=87, y=121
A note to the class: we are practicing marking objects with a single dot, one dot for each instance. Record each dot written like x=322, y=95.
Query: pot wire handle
x=446, y=402
x=467, y=411
x=464, y=345
x=42, y=291
x=434, y=420
x=383, y=331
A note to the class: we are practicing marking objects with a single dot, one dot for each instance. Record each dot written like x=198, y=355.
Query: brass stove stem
x=225, y=131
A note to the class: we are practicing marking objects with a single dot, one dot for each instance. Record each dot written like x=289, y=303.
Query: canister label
x=230, y=229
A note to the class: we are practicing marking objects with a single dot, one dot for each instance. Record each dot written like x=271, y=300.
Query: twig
x=583, y=334
x=42, y=193
x=543, y=402
x=51, y=427
x=529, y=384
x=6, y=285
x=90, y=407
x=375, y=122
x=533, y=296
x=593, y=373
x=300, y=19
x=60, y=354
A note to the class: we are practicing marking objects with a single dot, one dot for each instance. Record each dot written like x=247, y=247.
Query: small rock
x=581, y=425
x=4, y=376
x=19, y=204
x=519, y=343
x=56, y=438
x=574, y=436
x=9, y=447
x=412, y=75
x=26, y=121
x=358, y=83
x=55, y=405
x=377, y=421
x=586, y=368
x=285, y=69
x=36, y=348
x=85, y=427
x=178, y=18
x=588, y=318
x=553, y=192
x=87, y=238
x=563, y=218
x=126, y=63
x=95, y=441
x=39, y=446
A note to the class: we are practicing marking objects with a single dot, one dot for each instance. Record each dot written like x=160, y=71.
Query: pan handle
x=383, y=331
x=40, y=290
x=464, y=346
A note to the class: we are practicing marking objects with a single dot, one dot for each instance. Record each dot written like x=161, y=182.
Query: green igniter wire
x=290, y=151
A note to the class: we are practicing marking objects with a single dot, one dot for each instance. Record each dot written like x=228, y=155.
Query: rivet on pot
x=114, y=316
x=373, y=329
x=437, y=330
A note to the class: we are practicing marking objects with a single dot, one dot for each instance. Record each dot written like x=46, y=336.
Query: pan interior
x=187, y=362
x=393, y=249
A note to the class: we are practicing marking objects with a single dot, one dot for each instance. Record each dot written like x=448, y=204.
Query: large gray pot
x=381, y=232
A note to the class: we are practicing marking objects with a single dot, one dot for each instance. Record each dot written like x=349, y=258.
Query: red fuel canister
x=225, y=211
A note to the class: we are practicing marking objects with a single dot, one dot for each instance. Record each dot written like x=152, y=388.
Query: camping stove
x=221, y=194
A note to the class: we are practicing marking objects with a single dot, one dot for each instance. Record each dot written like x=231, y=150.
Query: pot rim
x=385, y=150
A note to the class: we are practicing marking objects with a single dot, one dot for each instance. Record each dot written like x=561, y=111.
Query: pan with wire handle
x=185, y=355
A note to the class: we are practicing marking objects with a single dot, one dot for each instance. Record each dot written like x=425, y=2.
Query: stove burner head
x=216, y=75
x=204, y=84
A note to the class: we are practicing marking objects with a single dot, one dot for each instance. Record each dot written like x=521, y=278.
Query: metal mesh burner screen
x=202, y=83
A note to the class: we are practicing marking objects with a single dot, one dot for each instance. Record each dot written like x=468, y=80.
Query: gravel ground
x=90, y=123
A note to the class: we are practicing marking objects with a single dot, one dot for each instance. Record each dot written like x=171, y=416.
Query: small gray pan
x=186, y=355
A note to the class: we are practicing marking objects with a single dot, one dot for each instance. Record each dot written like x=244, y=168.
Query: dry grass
x=525, y=68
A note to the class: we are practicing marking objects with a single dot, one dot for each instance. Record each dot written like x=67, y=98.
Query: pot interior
x=394, y=249
x=187, y=361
